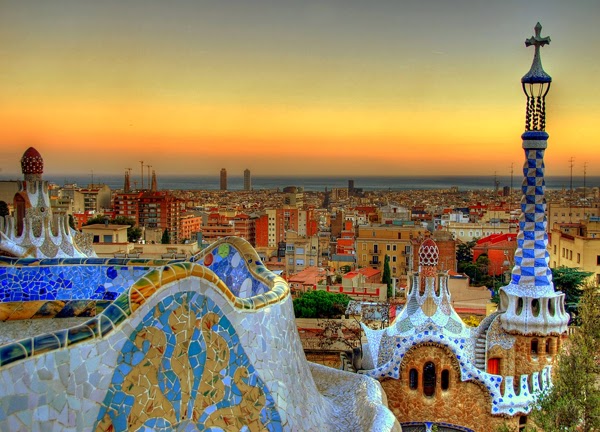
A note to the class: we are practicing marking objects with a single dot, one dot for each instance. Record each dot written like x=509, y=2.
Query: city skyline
x=295, y=88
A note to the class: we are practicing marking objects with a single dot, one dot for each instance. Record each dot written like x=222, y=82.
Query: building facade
x=374, y=242
x=247, y=180
x=223, y=179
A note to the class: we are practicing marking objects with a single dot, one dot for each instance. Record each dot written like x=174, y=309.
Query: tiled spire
x=530, y=303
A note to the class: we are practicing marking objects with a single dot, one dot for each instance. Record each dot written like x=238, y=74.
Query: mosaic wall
x=184, y=365
x=179, y=350
x=68, y=287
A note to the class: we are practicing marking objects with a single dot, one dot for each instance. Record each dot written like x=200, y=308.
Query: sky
x=323, y=87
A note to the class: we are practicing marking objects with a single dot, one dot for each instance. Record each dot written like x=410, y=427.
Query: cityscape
x=315, y=216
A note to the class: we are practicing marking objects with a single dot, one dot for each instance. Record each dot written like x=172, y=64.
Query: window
x=554, y=249
x=578, y=258
x=375, y=248
x=107, y=239
x=393, y=270
x=522, y=423
x=413, y=379
x=364, y=246
x=388, y=247
x=548, y=347
x=534, y=346
x=394, y=258
x=394, y=248
x=429, y=379
x=299, y=250
x=597, y=259
x=445, y=381
x=493, y=366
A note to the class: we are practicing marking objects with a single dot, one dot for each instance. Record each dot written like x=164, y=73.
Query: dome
x=428, y=253
x=32, y=162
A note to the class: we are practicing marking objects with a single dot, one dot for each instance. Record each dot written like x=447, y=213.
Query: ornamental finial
x=537, y=74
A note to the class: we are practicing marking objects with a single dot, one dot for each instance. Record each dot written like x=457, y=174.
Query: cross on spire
x=537, y=74
x=537, y=40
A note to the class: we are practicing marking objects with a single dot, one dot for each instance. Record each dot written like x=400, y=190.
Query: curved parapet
x=187, y=347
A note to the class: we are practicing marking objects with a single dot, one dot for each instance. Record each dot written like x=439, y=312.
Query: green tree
x=573, y=402
x=464, y=253
x=4, y=209
x=320, y=304
x=134, y=233
x=166, y=238
x=387, y=275
x=570, y=281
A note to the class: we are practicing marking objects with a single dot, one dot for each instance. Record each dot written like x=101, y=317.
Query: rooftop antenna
x=142, y=163
x=149, y=166
x=584, y=182
x=496, y=183
x=571, y=180
x=571, y=160
x=511, y=177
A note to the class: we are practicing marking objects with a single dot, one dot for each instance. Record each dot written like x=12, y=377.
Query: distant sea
x=314, y=183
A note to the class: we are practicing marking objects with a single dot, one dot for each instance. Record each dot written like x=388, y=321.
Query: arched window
x=519, y=306
x=445, y=379
x=413, y=379
x=429, y=379
x=522, y=422
x=535, y=307
x=548, y=346
x=534, y=346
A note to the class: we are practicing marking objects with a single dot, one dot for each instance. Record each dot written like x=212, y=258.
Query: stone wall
x=527, y=362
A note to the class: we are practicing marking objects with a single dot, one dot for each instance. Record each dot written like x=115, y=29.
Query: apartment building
x=467, y=231
x=95, y=197
x=374, y=242
x=300, y=252
x=273, y=224
x=561, y=213
x=126, y=205
x=217, y=226
x=189, y=226
x=160, y=210
x=577, y=245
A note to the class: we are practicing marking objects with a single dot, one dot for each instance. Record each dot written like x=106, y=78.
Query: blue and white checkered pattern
x=531, y=257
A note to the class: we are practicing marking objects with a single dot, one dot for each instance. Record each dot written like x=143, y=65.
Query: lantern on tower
x=536, y=84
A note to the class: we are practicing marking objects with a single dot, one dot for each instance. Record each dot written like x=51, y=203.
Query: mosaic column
x=530, y=303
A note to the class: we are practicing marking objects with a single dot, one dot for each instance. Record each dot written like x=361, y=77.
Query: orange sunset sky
x=289, y=87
